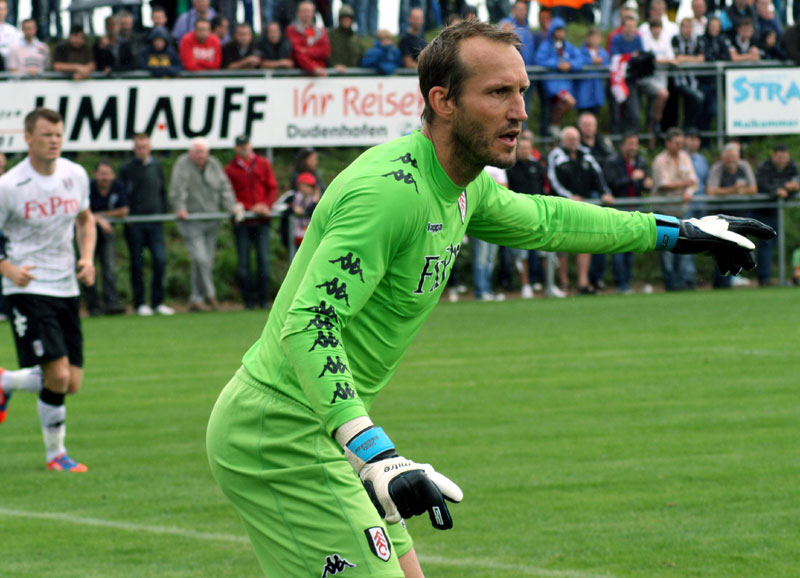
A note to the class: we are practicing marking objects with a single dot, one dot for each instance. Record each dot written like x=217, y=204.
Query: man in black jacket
x=143, y=177
x=627, y=175
x=575, y=174
x=777, y=176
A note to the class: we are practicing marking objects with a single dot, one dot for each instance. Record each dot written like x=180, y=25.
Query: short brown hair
x=41, y=112
x=440, y=61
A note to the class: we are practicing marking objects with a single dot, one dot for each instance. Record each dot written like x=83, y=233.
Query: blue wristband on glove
x=370, y=443
x=667, y=229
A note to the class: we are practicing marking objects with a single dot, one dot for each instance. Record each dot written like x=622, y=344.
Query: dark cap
x=779, y=148
x=347, y=10
x=242, y=139
x=691, y=131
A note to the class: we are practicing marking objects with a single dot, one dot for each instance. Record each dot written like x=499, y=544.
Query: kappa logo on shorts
x=379, y=543
x=20, y=322
x=335, y=564
x=38, y=348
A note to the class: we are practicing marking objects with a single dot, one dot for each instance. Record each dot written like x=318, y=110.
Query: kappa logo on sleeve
x=379, y=543
x=401, y=175
x=333, y=367
x=407, y=159
x=343, y=392
x=335, y=564
x=339, y=291
x=324, y=341
x=352, y=266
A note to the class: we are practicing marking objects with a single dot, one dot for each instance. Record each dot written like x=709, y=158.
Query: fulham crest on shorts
x=379, y=543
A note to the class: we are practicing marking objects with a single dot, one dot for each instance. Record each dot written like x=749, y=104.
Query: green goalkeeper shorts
x=302, y=504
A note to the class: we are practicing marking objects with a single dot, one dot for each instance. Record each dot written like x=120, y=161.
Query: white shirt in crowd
x=37, y=217
x=25, y=56
x=9, y=37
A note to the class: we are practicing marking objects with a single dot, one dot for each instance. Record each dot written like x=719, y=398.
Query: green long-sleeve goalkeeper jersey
x=376, y=258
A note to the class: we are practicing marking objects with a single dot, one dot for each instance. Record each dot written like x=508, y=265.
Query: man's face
x=763, y=7
x=746, y=31
x=125, y=23
x=202, y=31
x=44, y=143
x=141, y=148
x=587, y=125
x=630, y=147
x=221, y=31
x=655, y=31
x=730, y=158
x=345, y=22
x=77, y=40
x=29, y=30
x=103, y=175
x=490, y=110
x=198, y=154
x=570, y=139
x=243, y=150
x=674, y=145
x=657, y=10
x=305, y=14
x=559, y=34
x=686, y=29
x=274, y=32
x=524, y=149
x=520, y=12
x=699, y=8
x=3, y=12
x=201, y=6
x=244, y=36
x=159, y=19
x=629, y=29
x=159, y=44
x=692, y=143
x=544, y=20
x=416, y=19
x=780, y=159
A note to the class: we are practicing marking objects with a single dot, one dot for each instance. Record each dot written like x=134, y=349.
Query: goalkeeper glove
x=721, y=236
x=398, y=488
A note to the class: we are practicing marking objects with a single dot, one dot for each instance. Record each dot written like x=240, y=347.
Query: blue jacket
x=547, y=56
x=160, y=63
x=528, y=48
x=590, y=92
x=386, y=59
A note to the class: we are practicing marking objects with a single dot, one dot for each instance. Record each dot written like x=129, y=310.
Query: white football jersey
x=37, y=217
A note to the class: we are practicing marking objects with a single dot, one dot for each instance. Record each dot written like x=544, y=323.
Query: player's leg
x=28, y=379
x=303, y=507
x=60, y=376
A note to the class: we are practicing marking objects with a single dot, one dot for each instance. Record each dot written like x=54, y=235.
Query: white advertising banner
x=275, y=112
x=762, y=101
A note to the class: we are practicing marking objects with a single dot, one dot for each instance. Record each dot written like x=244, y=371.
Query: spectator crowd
x=630, y=66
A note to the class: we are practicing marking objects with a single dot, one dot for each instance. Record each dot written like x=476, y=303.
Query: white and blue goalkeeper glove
x=398, y=488
x=721, y=236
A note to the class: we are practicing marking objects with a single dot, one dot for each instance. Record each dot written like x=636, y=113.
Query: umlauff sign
x=104, y=115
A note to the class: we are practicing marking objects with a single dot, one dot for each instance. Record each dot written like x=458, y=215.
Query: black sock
x=51, y=397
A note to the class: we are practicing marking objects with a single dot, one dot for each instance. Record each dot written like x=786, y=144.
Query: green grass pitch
x=642, y=436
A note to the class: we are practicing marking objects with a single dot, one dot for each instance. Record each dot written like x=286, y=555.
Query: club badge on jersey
x=379, y=543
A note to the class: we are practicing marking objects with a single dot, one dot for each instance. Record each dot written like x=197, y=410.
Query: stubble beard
x=474, y=147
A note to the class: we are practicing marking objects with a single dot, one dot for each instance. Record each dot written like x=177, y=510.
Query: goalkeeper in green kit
x=321, y=489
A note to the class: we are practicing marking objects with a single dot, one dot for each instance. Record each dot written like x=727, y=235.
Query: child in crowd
x=590, y=93
x=304, y=203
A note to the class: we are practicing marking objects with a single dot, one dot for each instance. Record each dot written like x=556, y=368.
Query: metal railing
x=711, y=205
